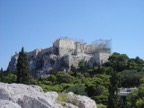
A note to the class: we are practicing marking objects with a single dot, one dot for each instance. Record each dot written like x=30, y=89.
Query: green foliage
x=99, y=83
x=33, y=80
x=63, y=97
x=118, y=61
x=96, y=87
x=132, y=65
x=63, y=77
x=1, y=75
x=101, y=106
x=82, y=65
x=122, y=62
x=43, y=78
x=130, y=78
x=10, y=78
x=46, y=88
x=103, y=97
x=91, y=85
x=66, y=86
x=78, y=89
x=73, y=69
x=136, y=98
x=7, y=77
x=142, y=81
x=23, y=75
x=113, y=99
x=52, y=78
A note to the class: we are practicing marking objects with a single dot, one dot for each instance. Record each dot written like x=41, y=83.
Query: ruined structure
x=64, y=53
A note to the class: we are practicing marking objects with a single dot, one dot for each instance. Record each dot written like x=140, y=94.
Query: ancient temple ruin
x=64, y=53
x=99, y=51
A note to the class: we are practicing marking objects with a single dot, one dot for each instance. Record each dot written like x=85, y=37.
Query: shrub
x=101, y=106
x=136, y=98
x=63, y=77
x=78, y=89
x=68, y=98
x=10, y=78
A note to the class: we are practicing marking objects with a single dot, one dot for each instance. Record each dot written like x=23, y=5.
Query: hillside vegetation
x=95, y=82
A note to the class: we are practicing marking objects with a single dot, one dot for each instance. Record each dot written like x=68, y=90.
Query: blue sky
x=37, y=23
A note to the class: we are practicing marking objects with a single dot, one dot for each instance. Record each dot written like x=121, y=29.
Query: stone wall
x=85, y=48
x=75, y=59
x=101, y=58
x=64, y=46
x=64, y=53
x=90, y=48
x=67, y=46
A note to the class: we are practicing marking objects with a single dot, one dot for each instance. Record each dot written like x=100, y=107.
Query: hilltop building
x=64, y=53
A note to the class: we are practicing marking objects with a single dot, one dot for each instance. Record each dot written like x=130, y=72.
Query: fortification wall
x=90, y=48
x=85, y=48
x=68, y=46
x=64, y=43
x=64, y=53
x=65, y=46
x=101, y=57
x=74, y=60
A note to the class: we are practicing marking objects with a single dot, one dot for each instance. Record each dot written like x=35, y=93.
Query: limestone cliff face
x=41, y=61
x=64, y=53
x=32, y=96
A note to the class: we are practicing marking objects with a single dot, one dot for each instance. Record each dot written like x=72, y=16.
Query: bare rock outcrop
x=31, y=96
x=62, y=55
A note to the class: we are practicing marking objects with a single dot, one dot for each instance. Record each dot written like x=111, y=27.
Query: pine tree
x=113, y=99
x=22, y=68
x=1, y=75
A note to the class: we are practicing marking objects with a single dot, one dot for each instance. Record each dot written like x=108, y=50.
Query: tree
x=1, y=75
x=10, y=78
x=63, y=77
x=22, y=68
x=113, y=98
x=52, y=78
x=78, y=89
x=120, y=59
x=136, y=98
x=130, y=78
x=82, y=65
x=135, y=64
x=73, y=69
x=96, y=87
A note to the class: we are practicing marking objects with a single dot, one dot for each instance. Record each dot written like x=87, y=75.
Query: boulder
x=31, y=96
x=8, y=104
x=80, y=101
x=85, y=102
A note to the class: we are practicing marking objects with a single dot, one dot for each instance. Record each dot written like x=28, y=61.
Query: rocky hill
x=63, y=54
x=31, y=96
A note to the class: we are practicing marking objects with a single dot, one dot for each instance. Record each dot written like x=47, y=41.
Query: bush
x=131, y=78
x=101, y=106
x=68, y=98
x=136, y=98
x=63, y=77
x=10, y=78
x=52, y=78
x=32, y=80
x=78, y=89
x=46, y=88
x=43, y=78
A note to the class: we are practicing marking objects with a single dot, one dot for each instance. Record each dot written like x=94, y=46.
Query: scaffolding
x=103, y=46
